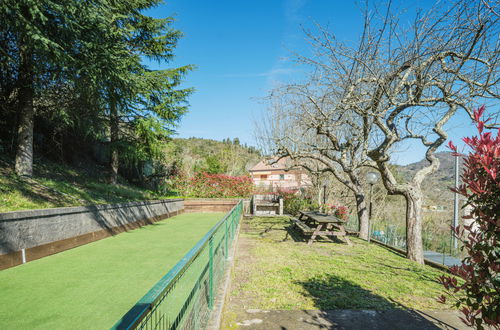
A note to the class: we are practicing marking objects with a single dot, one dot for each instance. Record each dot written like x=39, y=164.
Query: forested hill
x=197, y=154
x=436, y=186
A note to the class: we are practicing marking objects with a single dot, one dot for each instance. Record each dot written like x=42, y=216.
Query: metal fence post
x=226, y=241
x=230, y=219
x=232, y=223
x=211, y=273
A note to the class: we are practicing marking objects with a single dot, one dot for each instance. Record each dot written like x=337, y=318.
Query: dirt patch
x=243, y=264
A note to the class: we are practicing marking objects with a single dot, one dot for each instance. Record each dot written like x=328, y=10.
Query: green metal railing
x=185, y=296
x=437, y=248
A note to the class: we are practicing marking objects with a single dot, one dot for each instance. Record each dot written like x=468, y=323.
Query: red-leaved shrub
x=478, y=293
x=339, y=211
x=294, y=201
x=205, y=185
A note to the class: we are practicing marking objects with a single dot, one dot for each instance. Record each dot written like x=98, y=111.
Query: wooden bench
x=302, y=226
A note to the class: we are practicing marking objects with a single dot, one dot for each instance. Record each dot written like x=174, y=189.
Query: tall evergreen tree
x=32, y=44
x=144, y=105
x=92, y=51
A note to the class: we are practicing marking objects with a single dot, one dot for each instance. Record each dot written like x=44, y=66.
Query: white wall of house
x=281, y=180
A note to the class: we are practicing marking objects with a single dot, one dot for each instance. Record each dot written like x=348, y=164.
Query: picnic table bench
x=320, y=224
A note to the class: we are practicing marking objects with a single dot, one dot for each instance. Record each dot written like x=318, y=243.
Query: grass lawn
x=92, y=286
x=275, y=269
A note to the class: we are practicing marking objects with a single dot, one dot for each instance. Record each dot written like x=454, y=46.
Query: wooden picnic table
x=324, y=223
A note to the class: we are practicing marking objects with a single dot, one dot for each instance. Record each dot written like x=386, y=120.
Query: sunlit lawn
x=275, y=269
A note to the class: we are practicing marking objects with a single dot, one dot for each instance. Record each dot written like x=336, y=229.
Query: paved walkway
x=441, y=258
x=349, y=319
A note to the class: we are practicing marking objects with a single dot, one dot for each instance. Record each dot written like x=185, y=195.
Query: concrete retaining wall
x=209, y=204
x=29, y=235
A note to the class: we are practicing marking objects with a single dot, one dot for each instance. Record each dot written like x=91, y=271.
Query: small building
x=272, y=175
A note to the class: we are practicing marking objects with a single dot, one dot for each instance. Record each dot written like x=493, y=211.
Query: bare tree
x=396, y=86
x=305, y=123
x=450, y=61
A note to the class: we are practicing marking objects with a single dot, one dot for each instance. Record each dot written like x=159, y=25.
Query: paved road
x=439, y=257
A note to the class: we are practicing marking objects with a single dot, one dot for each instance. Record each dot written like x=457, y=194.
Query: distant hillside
x=197, y=154
x=436, y=186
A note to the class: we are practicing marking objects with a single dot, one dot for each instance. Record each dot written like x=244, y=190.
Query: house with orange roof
x=271, y=174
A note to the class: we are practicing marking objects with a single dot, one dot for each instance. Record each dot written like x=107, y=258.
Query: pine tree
x=148, y=101
x=34, y=45
x=92, y=51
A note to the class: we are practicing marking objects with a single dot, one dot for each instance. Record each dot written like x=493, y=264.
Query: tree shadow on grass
x=346, y=305
x=33, y=191
x=332, y=292
x=263, y=229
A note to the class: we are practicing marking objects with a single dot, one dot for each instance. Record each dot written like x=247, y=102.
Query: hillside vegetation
x=58, y=185
x=73, y=79
x=436, y=187
x=195, y=155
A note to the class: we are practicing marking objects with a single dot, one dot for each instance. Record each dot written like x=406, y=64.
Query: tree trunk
x=414, y=247
x=114, y=128
x=363, y=215
x=361, y=205
x=24, y=153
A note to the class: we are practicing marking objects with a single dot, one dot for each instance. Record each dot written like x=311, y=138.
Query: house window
x=263, y=177
x=282, y=177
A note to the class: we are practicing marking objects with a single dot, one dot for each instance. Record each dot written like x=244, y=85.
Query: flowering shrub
x=207, y=185
x=342, y=212
x=293, y=201
x=339, y=211
x=287, y=193
x=479, y=292
x=329, y=208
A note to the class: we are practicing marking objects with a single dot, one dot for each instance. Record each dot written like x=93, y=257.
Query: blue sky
x=242, y=48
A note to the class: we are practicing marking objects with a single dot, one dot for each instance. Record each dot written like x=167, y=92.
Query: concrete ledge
x=403, y=253
x=209, y=205
x=42, y=213
x=30, y=235
x=257, y=319
x=16, y=258
x=215, y=320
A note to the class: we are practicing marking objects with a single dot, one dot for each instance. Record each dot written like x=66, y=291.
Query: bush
x=479, y=292
x=205, y=185
x=340, y=211
x=293, y=202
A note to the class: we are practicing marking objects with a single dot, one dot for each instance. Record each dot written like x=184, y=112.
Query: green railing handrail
x=146, y=303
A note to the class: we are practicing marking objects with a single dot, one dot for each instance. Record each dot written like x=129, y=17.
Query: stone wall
x=29, y=235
